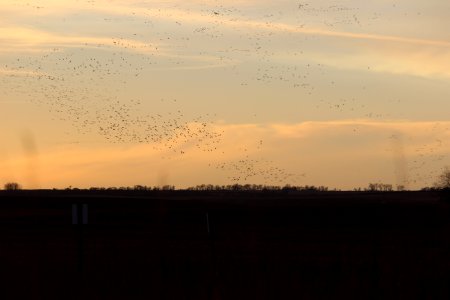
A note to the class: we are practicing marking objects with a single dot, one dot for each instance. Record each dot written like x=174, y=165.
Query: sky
x=123, y=92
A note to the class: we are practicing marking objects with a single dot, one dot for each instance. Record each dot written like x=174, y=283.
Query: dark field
x=258, y=245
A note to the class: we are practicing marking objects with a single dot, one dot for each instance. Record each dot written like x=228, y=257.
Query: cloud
x=343, y=154
x=244, y=22
x=196, y=13
x=26, y=39
x=418, y=61
x=361, y=51
x=21, y=72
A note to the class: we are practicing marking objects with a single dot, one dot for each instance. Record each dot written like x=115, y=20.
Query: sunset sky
x=126, y=92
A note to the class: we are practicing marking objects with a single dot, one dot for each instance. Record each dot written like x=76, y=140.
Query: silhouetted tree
x=444, y=179
x=379, y=187
x=168, y=188
x=401, y=188
x=12, y=186
x=139, y=187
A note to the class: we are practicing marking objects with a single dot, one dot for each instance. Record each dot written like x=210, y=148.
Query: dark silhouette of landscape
x=227, y=243
x=232, y=92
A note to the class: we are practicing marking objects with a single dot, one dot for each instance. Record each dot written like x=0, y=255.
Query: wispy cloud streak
x=303, y=147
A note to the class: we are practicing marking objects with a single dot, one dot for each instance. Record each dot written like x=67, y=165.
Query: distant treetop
x=12, y=186
x=444, y=179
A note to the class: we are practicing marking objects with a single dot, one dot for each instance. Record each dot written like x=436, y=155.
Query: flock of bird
x=85, y=92
x=89, y=86
x=430, y=157
x=243, y=170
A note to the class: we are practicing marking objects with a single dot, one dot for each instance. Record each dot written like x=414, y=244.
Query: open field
x=225, y=245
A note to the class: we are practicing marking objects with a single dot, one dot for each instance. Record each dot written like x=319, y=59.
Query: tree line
x=442, y=183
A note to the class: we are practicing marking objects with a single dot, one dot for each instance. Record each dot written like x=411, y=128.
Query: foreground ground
x=224, y=245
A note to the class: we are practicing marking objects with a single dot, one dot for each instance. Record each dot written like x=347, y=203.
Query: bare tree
x=12, y=186
x=379, y=187
x=444, y=179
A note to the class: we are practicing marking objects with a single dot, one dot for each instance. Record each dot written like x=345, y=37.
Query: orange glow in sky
x=119, y=93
